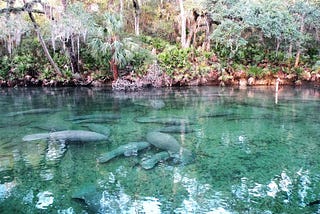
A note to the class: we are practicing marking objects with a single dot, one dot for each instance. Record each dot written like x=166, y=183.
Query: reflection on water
x=252, y=155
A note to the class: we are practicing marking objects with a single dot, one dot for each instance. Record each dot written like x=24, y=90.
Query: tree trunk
x=289, y=54
x=10, y=4
x=73, y=56
x=207, y=43
x=296, y=64
x=74, y=63
x=64, y=4
x=121, y=7
x=43, y=44
x=114, y=69
x=137, y=13
x=278, y=46
x=113, y=63
x=191, y=35
x=183, y=25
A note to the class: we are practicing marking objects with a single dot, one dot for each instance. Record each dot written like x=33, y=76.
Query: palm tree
x=106, y=41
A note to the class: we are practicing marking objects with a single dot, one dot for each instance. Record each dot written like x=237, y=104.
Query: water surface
x=252, y=155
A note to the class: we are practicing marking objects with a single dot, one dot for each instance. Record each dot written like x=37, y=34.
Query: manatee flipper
x=127, y=150
x=149, y=163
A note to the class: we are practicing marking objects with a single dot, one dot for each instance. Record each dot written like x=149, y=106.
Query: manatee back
x=163, y=141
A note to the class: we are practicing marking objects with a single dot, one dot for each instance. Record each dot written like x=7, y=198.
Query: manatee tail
x=109, y=155
x=33, y=137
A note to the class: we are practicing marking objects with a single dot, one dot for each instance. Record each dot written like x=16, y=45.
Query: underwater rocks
x=67, y=136
x=126, y=150
x=169, y=143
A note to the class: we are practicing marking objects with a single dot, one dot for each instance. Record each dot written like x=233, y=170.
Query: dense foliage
x=192, y=41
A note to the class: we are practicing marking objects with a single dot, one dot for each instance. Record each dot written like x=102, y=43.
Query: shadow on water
x=251, y=154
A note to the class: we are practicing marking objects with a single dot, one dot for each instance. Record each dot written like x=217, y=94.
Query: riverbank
x=154, y=79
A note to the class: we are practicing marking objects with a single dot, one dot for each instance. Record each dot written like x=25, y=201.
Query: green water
x=252, y=155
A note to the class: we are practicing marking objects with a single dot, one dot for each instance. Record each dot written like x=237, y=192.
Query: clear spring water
x=252, y=155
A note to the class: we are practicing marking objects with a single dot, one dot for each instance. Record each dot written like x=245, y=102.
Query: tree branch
x=16, y=10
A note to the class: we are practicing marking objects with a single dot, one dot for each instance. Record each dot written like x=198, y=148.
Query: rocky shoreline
x=128, y=82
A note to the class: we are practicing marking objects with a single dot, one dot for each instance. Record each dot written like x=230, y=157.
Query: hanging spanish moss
x=12, y=29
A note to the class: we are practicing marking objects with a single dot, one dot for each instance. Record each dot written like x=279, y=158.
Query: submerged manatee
x=170, y=144
x=149, y=163
x=155, y=104
x=94, y=120
x=98, y=128
x=32, y=111
x=176, y=129
x=166, y=121
x=90, y=196
x=67, y=136
x=127, y=150
x=163, y=141
x=96, y=116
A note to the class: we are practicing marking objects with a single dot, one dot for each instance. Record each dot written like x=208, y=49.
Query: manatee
x=32, y=111
x=127, y=150
x=166, y=121
x=155, y=104
x=212, y=114
x=67, y=136
x=95, y=116
x=163, y=141
x=169, y=143
x=176, y=129
x=94, y=120
x=90, y=196
x=98, y=128
x=149, y=163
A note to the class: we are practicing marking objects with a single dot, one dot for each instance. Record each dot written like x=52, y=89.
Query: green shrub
x=155, y=42
x=316, y=67
x=46, y=73
x=141, y=60
x=256, y=71
x=174, y=58
x=5, y=65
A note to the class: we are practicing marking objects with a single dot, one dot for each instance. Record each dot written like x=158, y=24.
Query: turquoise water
x=252, y=155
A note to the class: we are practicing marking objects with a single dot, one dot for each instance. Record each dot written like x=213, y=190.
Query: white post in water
x=277, y=88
